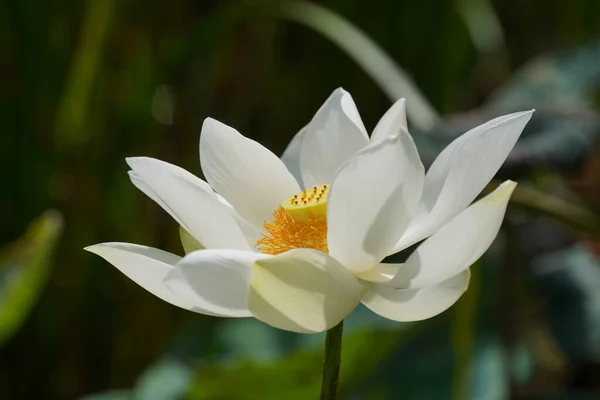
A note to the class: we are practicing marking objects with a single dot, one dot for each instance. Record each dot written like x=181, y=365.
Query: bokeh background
x=85, y=84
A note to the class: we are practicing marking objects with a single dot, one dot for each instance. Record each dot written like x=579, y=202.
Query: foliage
x=24, y=269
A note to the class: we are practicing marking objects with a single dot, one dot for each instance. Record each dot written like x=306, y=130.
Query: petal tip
x=209, y=123
x=131, y=161
x=526, y=114
x=508, y=185
x=502, y=193
x=94, y=248
x=212, y=126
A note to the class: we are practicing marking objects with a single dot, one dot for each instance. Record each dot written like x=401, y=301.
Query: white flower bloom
x=298, y=242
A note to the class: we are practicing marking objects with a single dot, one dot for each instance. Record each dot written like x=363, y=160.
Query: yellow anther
x=299, y=222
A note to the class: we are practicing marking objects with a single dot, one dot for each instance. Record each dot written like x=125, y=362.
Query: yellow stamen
x=299, y=222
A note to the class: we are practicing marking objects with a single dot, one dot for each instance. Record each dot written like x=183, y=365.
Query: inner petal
x=300, y=222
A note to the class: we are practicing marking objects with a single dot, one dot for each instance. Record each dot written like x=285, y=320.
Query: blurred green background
x=85, y=84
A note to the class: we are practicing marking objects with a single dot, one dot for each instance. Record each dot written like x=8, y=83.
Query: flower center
x=299, y=222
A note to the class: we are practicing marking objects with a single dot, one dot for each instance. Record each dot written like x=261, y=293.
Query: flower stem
x=331, y=362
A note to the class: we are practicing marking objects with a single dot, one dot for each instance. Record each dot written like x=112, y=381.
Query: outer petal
x=458, y=244
x=141, y=185
x=190, y=201
x=335, y=133
x=302, y=291
x=146, y=266
x=462, y=170
x=291, y=156
x=391, y=122
x=248, y=175
x=416, y=304
x=215, y=280
x=371, y=201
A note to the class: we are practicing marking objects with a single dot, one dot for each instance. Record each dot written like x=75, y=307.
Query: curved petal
x=462, y=170
x=458, y=244
x=139, y=183
x=244, y=172
x=191, y=202
x=391, y=122
x=371, y=201
x=215, y=280
x=406, y=305
x=250, y=231
x=381, y=273
x=302, y=290
x=335, y=133
x=145, y=266
x=291, y=156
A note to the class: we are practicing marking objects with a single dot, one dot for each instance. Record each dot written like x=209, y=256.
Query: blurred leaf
x=482, y=23
x=565, y=129
x=24, y=268
x=576, y=217
x=462, y=332
x=569, y=279
x=169, y=379
x=72, y=113
x=394, y=81
x=298, y=376
x=566, y=79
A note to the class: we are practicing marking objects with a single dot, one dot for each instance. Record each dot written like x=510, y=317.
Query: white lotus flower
x=298, y=242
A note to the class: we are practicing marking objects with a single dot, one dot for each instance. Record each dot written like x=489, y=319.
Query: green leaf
x=24, y=267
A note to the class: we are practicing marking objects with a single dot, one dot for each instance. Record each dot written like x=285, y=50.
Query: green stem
x=331, y=362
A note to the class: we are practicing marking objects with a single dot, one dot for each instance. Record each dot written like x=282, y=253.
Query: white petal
x=188, y=242
x=381, y=273
x=416, y=304
x=144, y=265
x=391, y=122
x=191, y=202
x=371, y=201
x=335, y=133
x=215, y=280
x=247, y=174
x=139, y=183
x=302, y=290
x=462, y=170
x=291, y=156
x=250, y=231
x=458, y=244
